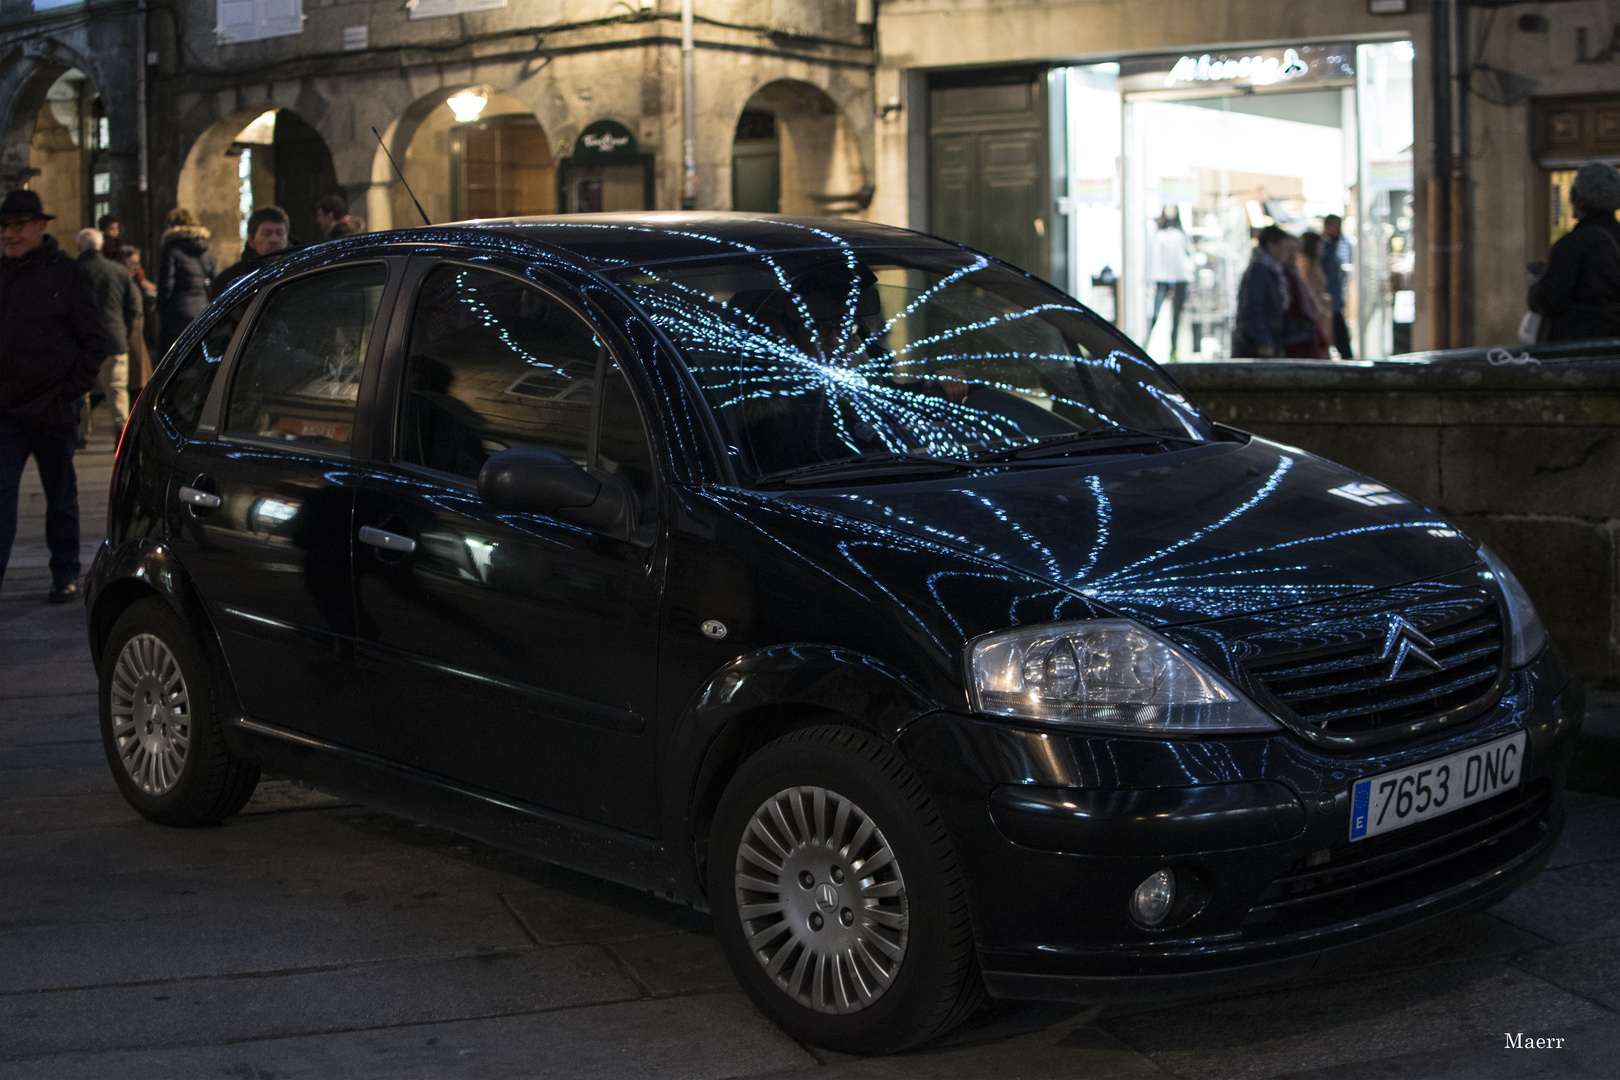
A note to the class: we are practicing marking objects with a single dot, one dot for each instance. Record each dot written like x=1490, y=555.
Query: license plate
x=1429, y=789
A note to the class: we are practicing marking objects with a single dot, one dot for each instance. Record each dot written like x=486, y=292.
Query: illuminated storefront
x=1213, y=146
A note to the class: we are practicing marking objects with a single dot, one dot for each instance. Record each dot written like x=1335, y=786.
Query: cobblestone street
x=309, y=937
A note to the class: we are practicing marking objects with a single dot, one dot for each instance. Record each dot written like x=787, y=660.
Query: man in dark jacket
x=51, y=348
x=120, y=306
x=1579, y=293
x=267, y=241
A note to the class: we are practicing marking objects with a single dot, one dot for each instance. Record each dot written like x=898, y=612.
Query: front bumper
x=1055, y=831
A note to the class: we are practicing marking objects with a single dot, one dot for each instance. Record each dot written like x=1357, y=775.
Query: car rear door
x=261, y=499
x=516, y=653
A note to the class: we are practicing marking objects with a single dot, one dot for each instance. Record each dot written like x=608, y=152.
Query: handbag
x=1530, y=328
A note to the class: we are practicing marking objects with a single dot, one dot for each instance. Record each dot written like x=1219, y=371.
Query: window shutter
x=236, y=21
x=250, y=20
x=433, y=9
x=278, y=18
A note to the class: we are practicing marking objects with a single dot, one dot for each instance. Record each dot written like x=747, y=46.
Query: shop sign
x=605, y=142
x=1390, y=174
x=1178, y=189
x=1292, y=65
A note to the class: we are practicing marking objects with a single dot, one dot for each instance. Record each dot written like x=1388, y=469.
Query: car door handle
x=204, y=500
x=382, y=538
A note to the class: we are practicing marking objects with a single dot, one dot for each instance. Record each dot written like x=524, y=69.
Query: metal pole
x=140, y=89
x=688, y=111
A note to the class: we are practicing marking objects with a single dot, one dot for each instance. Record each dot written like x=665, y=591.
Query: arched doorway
x=253, y=158
x=68, y=159
x=793, y=136
x=466, y=153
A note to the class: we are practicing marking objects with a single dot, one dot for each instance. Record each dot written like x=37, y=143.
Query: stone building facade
x=882, y=109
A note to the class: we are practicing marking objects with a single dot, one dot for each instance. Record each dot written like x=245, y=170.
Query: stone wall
x=1525, y=456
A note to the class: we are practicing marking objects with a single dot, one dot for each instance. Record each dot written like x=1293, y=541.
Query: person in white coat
x=1171, y=261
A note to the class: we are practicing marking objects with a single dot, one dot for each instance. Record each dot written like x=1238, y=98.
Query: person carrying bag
x=1578, y=295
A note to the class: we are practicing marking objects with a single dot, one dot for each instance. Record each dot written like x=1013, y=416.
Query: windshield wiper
x=887, y=463
x=1119, y=437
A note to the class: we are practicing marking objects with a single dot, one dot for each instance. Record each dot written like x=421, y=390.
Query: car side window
x=297, y=377
x=185, y=392
x=495, y=363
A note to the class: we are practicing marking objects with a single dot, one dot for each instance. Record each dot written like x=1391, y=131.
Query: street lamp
x=468, y=104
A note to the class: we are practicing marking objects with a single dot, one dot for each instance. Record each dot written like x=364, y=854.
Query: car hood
x=1203, y=533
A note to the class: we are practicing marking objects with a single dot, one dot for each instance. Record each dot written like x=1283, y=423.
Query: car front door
x=515, y=653
x=261, y=500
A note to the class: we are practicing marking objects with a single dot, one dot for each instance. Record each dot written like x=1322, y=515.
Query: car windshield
x=850, y=356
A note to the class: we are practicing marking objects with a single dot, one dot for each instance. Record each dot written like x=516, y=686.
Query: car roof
x=604, y=241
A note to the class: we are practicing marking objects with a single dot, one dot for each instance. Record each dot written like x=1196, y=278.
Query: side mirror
x=537, y=480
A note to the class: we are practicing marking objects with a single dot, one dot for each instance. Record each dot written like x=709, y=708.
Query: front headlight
x=1109, y=673
x=1526, y=634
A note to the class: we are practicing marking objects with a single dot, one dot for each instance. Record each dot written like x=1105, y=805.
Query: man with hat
x=51, y=348
x=1578, y=295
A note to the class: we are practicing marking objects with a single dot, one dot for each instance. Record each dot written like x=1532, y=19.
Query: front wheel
x=837, y=895
x=160, y=722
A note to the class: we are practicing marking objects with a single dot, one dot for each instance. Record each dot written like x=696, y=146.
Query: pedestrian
x=267, y=241
x=140, y=352
x=111, y=246
x=118, y=301
x=185, y=268
x=1171, y=260
x=1578, y=295
x=51, y=348
x=332, y=215
x=1311, y=318
x=1263, y=298
x=1336, y=255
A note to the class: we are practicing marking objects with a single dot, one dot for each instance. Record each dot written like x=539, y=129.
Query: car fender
x=763, y=694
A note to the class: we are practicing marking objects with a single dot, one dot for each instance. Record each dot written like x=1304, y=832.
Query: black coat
x=1579, y=294
x=116, y=299
x=51, y=343
x=185, y=268
x=251, y=261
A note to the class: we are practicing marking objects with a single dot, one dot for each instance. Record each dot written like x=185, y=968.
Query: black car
x=852, y=584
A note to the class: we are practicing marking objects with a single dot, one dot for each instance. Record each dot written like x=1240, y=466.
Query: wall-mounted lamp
x=890, y=110
x=468, y=104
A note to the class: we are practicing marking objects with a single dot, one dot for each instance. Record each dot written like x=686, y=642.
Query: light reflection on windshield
x=823, y=356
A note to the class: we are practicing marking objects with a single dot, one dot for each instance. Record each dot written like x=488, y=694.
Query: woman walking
x=1578, y=296
x=185, y=268
x=1313, y=298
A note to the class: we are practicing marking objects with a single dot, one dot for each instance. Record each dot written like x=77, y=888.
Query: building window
x=433, y=9
x=253, y=20
x=46, y=5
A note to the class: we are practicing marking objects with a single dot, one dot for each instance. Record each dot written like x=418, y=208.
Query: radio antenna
x=399, y=173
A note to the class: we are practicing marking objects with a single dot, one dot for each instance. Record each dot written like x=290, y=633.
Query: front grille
x=1369, y=875
x=1345, y=690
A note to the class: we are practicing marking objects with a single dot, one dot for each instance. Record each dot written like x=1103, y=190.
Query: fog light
x=1153, y=898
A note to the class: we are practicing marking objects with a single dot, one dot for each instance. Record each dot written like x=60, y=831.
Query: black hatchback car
x=847, y=582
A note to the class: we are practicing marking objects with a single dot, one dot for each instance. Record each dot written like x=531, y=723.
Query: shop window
x=607, y=172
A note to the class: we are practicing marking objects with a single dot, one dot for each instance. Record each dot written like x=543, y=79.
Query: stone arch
x=423, y=141
x=38, y=150
x=820, y=169
x=211, y=180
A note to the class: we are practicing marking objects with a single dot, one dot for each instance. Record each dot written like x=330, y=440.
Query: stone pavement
x=314, y=938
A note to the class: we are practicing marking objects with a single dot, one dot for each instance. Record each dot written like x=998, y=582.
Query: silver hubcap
x=151, y=714
x=822, y=900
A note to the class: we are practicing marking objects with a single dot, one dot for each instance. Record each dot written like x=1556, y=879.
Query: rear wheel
x=160, y=722
x=837, y=895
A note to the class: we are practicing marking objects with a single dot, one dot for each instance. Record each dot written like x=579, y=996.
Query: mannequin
x=1171, y=263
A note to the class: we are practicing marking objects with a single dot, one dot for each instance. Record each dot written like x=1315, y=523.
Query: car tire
x=837, y=896
x=160, y=722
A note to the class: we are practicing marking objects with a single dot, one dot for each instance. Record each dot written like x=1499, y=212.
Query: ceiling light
x=468, y=104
